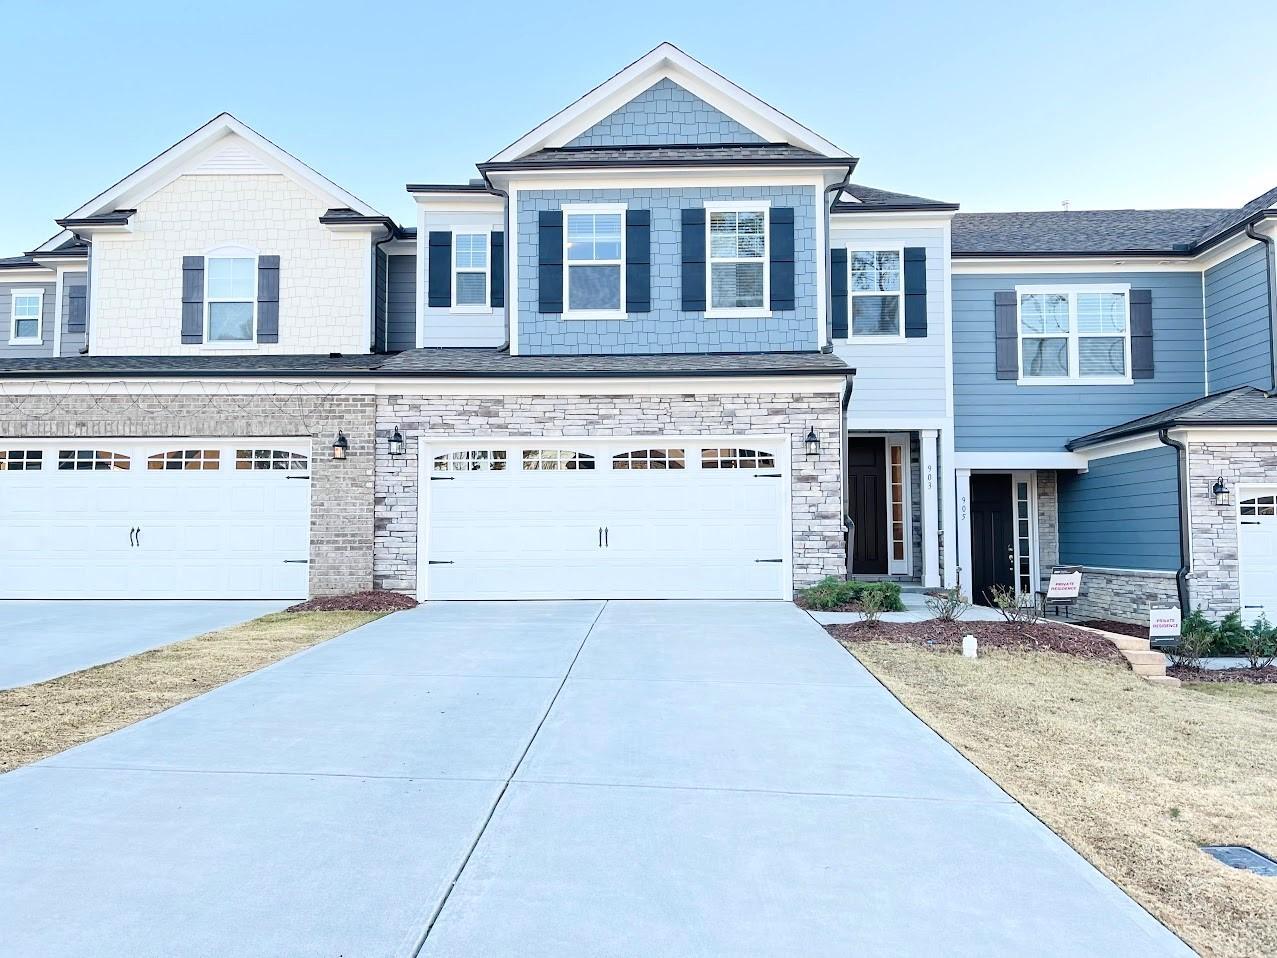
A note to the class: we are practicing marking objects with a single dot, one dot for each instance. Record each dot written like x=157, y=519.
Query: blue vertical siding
x=667, y=328
x=401, y=302
x=379, y=301
x=665, y=113
x=1123, y=513
x=1238, y=328
x=995, y=415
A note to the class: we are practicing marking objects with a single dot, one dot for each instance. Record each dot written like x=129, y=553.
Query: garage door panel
x=206, y=533
x=1257, y=551
x=685, y=533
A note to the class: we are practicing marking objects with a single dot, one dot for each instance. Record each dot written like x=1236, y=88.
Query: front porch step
x=1144, y=661
x=1129, y=643
x=1168, y=680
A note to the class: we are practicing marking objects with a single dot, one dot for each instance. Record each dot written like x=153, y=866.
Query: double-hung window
x=594, y=262
x=230, y=296
x=876, y=290
x=737, y=246
x=1078, y=334
x=24, y=327
x=470, y=268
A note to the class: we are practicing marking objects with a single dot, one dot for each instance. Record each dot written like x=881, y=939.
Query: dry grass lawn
x=1134, y=776
x=39, y=720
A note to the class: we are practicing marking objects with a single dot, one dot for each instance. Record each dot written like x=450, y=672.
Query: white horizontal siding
x=895, y=377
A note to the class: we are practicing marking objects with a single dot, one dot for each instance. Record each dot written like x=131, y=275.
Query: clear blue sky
x=995, y=106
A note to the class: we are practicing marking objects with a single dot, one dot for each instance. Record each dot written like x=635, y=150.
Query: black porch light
x=341, y=445
x=812, y=444
x=396, y=444
x=1223, y=495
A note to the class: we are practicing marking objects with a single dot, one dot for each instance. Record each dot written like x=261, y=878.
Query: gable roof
x=1243, y=406
x=666, y=61
x=248, y=148
x=868, y=199
x=1235, y=218
x=1061, y=232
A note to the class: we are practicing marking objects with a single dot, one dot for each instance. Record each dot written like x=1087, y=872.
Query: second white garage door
x=1257, y=551
x=650, y=518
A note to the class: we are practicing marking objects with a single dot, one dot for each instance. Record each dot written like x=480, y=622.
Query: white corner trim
x=1014, y=461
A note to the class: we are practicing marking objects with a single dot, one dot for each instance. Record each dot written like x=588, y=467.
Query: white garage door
x=175, y=519
x=1257, y=551
x=642, y=518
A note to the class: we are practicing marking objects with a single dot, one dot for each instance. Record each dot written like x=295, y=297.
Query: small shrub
x=1231, y=635
x=833, y=593
x=871, y=606
x=1015, y=608
x=948, y=605
x=1260, y=643
x=1197, y=635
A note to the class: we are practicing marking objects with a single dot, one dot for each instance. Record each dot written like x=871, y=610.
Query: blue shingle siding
x=993, y=415
x=667, y=328
x=1123, y=513
x=665, y=113
x=401, y=303
x=46, y=320
x=1237, y=323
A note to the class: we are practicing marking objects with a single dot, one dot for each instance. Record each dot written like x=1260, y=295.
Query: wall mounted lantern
x=1223, y=496
x=812, y=444
x=397, y=443
x=341, y=445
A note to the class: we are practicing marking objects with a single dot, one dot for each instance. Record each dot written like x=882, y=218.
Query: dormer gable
x=666, y=98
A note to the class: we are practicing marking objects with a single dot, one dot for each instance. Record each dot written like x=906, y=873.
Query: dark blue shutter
x=638, y=261
x=268, y=299
x=915, y=292
x=439, y=269
x=781, y=241
x=1005, y=335
x=192, y=299
x=77, y=308
x=497, y=276
x=1141, y=334
x=693, y=251
x=838, y=291
x=550, y=261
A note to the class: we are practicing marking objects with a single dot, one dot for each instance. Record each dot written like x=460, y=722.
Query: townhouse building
x=664, y=345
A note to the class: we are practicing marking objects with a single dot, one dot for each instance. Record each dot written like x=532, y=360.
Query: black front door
x=992, y=526
x=867, y=503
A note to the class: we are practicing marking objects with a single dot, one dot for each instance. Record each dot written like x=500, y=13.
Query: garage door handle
x=600, y=537
x=439, y=562
x=296, y=562
x=131, y=533
x=767, y=475
x=1249, y=522
x=605, y=535
x=137, y=537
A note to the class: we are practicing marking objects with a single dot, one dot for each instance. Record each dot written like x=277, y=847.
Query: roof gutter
x=1181, y=574
x=1269, y=247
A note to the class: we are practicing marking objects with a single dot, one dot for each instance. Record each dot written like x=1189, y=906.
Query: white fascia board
x=54, y=241
x=301, y=386
x=667, y=61
x=1121, y=447
x=448, y=202
x=400, y=247
x=170, y=164
x=930, y=219
x=28, y=274
x=1011, y=461
x=1237, y=434
x=877, y=423
x=1077, y=264
x=672, y=177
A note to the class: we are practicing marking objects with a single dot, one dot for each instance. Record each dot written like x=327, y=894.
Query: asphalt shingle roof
x=1243, y=406
x=434, y=363
x=1080, y=231
x=876, y=200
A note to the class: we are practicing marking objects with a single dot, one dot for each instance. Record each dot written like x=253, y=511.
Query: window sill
x=593, y=314
x=245, y=346
x=470, y=309
x=887, y=339
x=738, y=314
x=26, y=342
x=1081, y=381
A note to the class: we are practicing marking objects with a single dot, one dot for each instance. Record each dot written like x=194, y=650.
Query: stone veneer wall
x=1048, y=525
x=1213, y=583
x=816, y=493
x=341, y=510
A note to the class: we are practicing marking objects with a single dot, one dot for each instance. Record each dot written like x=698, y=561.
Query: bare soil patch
x=39, y=720
x=376, y=601
x=946, y=636
x=1265, y=676
x=1121, y=628
x=1134, y=776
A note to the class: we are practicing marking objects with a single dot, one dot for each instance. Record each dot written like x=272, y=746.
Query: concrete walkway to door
x=623, y=778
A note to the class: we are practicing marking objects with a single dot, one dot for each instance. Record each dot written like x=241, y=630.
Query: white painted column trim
x=948, y=510
x=962, y=479
x=930, y=481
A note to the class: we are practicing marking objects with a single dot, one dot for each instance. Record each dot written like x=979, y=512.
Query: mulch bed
x=1121, y=628
x=1266, y=676
x=357, y=602
x=946, y=636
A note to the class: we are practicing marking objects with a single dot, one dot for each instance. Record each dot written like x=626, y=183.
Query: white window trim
x=577, y=209
x=230, y=252
x=900, y=566
x=852, y=293
x=1075, y=378
x=38, y=338
x=747, y=312
x=486, y=305
x=1035, y=574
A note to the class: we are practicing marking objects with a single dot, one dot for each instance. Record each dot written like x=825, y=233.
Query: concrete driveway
x=625, y=778
x=42, y=639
